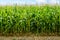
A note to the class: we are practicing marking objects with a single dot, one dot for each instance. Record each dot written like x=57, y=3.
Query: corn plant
x=26, y=19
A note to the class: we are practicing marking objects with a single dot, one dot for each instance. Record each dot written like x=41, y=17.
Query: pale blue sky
x=10, y=2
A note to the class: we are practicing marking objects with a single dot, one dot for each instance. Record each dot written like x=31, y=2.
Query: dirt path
x=30, y=38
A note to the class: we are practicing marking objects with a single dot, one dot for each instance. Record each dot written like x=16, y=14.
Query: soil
x=31, y=38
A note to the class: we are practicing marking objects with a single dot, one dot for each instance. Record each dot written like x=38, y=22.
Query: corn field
x=30, y=19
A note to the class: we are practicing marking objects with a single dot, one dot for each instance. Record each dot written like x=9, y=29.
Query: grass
x=30, y=19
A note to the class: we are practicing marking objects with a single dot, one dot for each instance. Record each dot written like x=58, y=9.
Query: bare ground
x=31, y=38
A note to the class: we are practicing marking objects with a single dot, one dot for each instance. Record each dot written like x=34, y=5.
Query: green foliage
x=34, y=19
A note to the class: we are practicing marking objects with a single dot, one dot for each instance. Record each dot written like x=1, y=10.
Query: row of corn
x=30, y=19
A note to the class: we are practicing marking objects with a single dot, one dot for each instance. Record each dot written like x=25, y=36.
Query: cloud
x=53, y=2
x=11, y=2
x=21, y=2
x=41, y=1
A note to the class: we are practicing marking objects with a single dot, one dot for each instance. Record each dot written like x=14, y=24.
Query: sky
x=22, y=2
